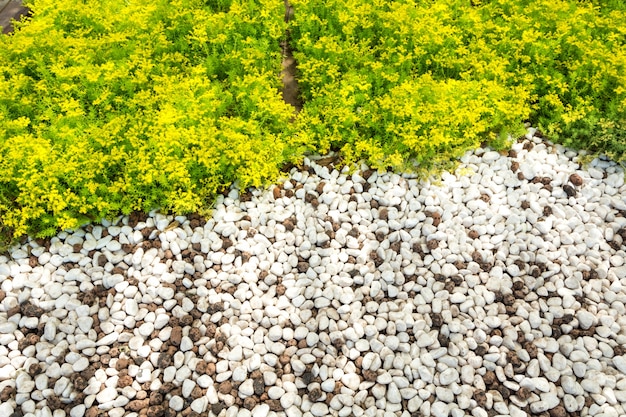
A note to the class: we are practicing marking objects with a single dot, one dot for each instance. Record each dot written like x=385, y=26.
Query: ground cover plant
x=108, y=107
x=422, y=81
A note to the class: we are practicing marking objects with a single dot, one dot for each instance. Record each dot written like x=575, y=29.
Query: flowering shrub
x=109, y=106
x=422, y=81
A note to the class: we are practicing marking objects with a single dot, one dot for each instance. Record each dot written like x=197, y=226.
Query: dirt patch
x=11, y=10
x=290, y=91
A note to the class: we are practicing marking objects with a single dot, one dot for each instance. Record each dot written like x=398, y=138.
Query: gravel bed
x=498, y=290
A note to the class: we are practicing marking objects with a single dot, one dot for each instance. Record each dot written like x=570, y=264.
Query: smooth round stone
x=620, y=363
x=239, y=374
x=80, y=365
x=188, y=386
x=246, y=388
x=439, y=409
x=585, y=319
x=319, y=409
x=135, y=342
x=448, y=376
x=78, y=411
x=275, y=393
x=351, y=380
x=176, y=403
x=106, y=395
x=328, y=385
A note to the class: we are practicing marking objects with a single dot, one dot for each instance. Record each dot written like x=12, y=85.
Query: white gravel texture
x=499, y=289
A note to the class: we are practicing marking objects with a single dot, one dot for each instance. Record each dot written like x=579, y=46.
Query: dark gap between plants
x=290, y=91
x=11, y=10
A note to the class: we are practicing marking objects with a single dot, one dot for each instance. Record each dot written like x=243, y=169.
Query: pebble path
x=498, y=290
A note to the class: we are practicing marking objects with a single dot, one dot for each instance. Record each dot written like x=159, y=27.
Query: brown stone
x=576, y=180
x=225, y=387
x=523, y=393
x=259, y=386
x=196, y=392
x=358, y=362
x=514, y=166
x=155, y=411
x=30, y=310
x=124, y=381
x=275, y=406
x=34, y=369
x=383, y=213
x=176, y=335
x=54, y=402
x=558, y=411
x=122, y=363
x=369, y=375
x=7, y=393
x=280, y=289
x=432, y=244
x=249, y=403
x=315, y=394
x=156, y=398
x=289, y=224
x=531, y=349
x=79, y=382
x=92, y=412
x=481, y=397
x=195, y=334
x=437, y=320
x=472, y=234
x=137, y=405
x=2, y=295
x=303, y=267
x=569, y=190
x=210, y=369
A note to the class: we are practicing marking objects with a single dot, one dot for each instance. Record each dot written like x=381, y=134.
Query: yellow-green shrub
x=474, y=69
x=109, y=106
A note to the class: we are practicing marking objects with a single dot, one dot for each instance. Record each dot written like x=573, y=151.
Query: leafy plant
x=422, y=81
x=108, y=107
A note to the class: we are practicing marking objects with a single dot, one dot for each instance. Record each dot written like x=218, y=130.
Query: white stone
x=80, y=365
x=78, y=411
x=199, y=405
x=106, y=395
x=246, y=388
x=188, y=386
x=176, y=403
x=448, y=376
x=351, y=380
x=393, y=394
x=319, y=409
x=585, y=319
x=275, y=393
x=439, y=409
x=620, y=363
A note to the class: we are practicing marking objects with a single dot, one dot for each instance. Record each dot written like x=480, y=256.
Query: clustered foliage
x=109, y=106
x=112, y=106
x=422, y=81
